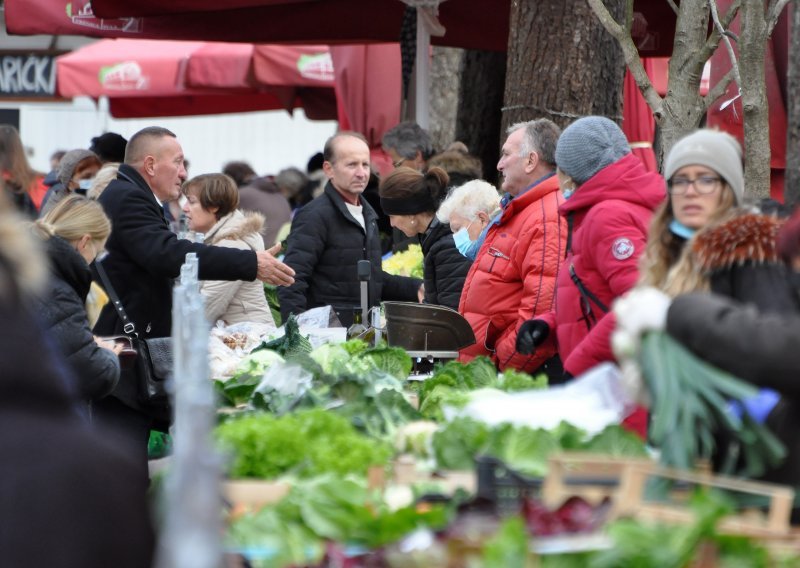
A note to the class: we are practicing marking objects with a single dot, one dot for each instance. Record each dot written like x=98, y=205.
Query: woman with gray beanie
x=75, y=173
x=610, y=198
x=702, y=241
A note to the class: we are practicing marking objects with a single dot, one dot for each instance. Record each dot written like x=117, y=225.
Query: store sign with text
x=28, y=74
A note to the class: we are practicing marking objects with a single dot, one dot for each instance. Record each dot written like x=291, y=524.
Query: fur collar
x=236, y=226
x=745, y=238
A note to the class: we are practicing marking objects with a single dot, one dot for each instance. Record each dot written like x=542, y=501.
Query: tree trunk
x=791, y=192
x=444, y=88
x=683, y=108
x=562, y=64
x=480, y=98
x=752, y=51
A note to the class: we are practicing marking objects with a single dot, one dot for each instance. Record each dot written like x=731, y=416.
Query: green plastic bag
x=159, y=445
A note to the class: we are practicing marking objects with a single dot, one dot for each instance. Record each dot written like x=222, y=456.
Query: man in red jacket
x=611, y=198
x=514, y=274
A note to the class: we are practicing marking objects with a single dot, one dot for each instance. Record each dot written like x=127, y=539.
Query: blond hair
x=74, y=217
x=668, y=263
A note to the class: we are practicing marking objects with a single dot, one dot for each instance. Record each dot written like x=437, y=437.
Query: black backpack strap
x=127, y=326
x=587, y=298
x=570, y=222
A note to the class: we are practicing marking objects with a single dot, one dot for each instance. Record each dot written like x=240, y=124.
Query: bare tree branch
x=734, y=64
x=713, y=40
x=630, y=54
x=673, y=6
x=718, y=90
x=774, y=12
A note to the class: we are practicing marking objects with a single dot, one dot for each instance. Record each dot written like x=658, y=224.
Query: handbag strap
x=127, y=326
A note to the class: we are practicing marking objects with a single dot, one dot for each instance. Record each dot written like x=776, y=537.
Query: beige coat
x=237, y=301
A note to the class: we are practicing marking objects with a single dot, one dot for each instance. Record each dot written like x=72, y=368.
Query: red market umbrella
x=476, y=24
x=163, y=78
x=637, y=120
x=471, y=24
x=368, y=90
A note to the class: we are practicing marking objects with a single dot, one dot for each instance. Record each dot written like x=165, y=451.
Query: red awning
x=368, y=91
x=163, y=78
x=471, y=24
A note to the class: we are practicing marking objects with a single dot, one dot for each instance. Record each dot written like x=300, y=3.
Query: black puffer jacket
x=62, y=311
x=444, y=268
x=741, y=259
x=758, y=347
x=324, y=247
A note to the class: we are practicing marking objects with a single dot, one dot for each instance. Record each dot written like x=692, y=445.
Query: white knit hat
x=711, y=148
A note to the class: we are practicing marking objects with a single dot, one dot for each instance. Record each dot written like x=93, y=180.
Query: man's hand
x=112, y=346
x=273, y=271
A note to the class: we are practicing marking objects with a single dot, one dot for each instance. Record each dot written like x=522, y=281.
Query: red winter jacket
x=610, y=219
x=513, y=277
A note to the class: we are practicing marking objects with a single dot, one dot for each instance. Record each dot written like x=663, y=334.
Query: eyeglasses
x=703, y=185
x=399, y=162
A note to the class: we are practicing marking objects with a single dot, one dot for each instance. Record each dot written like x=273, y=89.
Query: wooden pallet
x=595, y=477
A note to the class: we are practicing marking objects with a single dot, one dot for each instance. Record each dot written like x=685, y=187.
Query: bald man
x=144, y=256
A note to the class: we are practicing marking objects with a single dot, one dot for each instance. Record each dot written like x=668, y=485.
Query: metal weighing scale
x=427, y=332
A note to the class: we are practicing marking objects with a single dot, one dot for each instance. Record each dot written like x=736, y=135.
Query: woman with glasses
x=701, y=240
x=73, y=234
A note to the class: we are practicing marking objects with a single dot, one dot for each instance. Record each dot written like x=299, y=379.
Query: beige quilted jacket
x=237, y=301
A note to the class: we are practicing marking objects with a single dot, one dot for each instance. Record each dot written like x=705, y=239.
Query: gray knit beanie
x=711, y=148
x=588, y=145
x=70, y=161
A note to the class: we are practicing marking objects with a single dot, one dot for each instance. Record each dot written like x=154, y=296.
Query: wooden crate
x=631, y=501
x=595, y=477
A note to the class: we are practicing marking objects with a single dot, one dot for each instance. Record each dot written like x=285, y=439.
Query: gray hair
x=291, y=180
x=541, y=136
x=468, y=199
x=408, y=138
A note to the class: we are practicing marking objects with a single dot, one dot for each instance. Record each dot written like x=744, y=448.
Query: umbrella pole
x=422, y=72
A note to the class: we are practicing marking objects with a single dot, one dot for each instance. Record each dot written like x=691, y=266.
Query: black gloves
x=532, y=334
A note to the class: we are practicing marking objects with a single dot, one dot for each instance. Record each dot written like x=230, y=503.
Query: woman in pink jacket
x=610, y=200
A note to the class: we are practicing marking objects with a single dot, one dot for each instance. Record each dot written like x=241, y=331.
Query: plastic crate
x=505, y=488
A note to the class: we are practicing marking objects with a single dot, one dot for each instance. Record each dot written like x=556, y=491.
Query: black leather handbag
x=152, y=367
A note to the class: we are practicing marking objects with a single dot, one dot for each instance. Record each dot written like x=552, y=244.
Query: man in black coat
x=144, y=256
x=332, y=233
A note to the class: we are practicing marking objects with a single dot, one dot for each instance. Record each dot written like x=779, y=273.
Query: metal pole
x=422, y=69
x=191, y=535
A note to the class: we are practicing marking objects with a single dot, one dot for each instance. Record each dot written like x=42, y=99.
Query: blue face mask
x=465, y=245
x=84, y=185
x=678, y=228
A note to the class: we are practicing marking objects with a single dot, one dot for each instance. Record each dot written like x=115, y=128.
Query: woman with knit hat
x=75, y=173
x=411, y=199
x=610, y=198
x=702, y=241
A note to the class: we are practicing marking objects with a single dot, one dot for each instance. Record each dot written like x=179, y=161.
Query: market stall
x=339, y=452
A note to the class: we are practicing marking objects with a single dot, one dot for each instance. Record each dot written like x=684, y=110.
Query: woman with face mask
x=73, y=235
x=76, y=171
x=701, y=240
x=470, y=209
x=411, y=199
